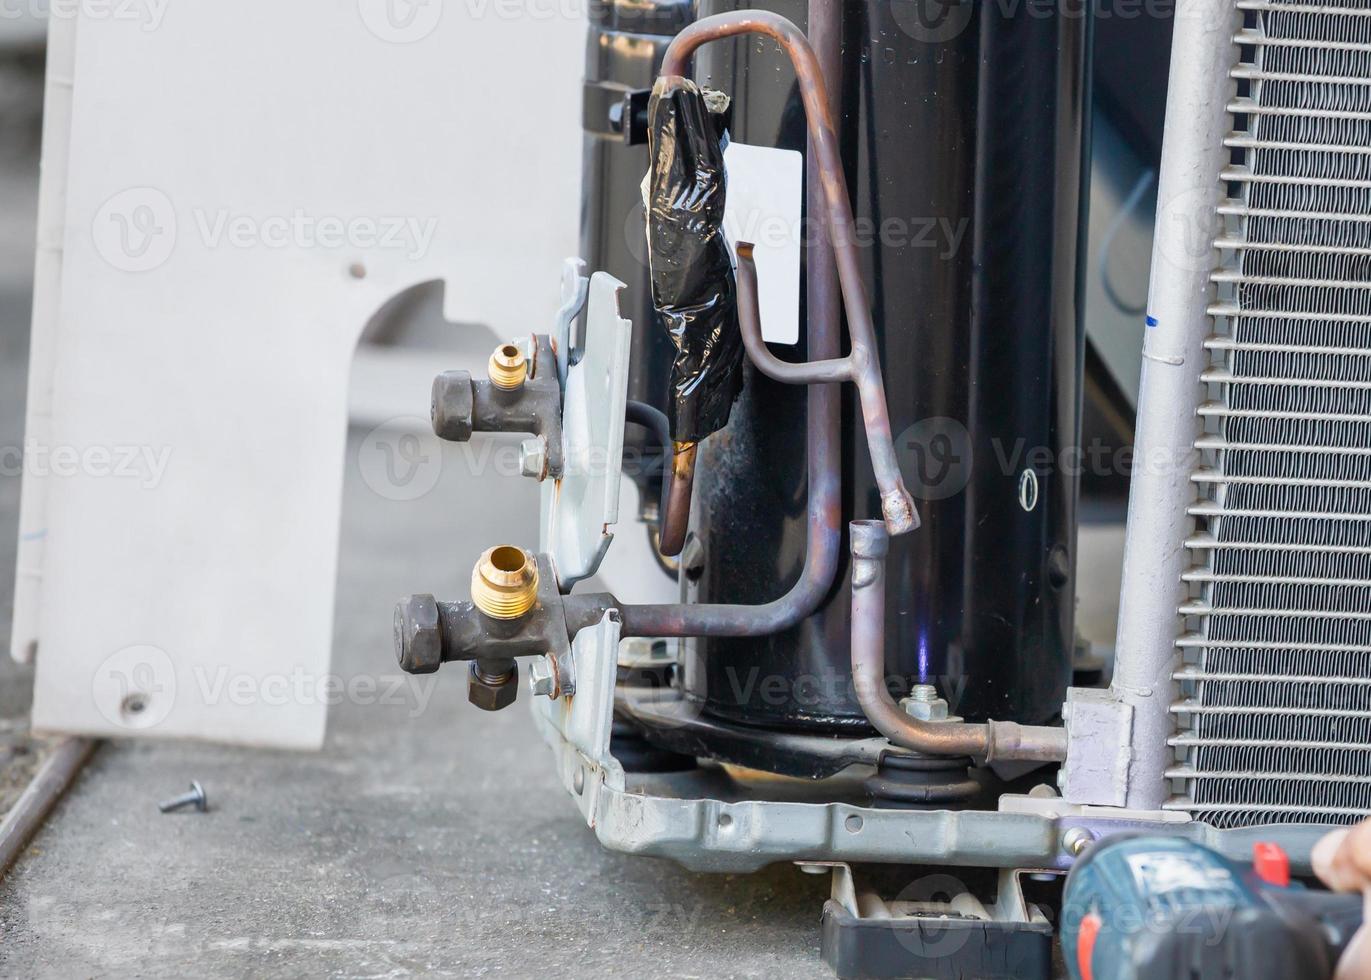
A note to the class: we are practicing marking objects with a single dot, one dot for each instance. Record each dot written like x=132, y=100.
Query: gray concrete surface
x=427, y=839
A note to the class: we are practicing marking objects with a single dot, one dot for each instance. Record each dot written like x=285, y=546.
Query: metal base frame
x=660, y=815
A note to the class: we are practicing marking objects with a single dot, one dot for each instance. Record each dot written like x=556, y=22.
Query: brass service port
x=504, y=584
x=508, y=367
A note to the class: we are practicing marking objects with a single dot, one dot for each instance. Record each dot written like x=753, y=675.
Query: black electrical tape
x=693, y=288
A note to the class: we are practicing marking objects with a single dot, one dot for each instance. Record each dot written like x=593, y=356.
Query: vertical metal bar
x=1197, y=121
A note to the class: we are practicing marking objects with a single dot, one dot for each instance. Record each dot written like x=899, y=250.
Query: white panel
x=764, y=201
x=234, y=169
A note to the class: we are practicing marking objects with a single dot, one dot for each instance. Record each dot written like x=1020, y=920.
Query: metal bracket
x=575, y=290
x=580, y=508
x=578, y=726
x=1099, y=729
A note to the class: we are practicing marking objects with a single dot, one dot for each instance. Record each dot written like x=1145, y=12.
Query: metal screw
x=196, y=798
x=542, y=677
x=1076, y=840
x=923, y=692
x=533, y=458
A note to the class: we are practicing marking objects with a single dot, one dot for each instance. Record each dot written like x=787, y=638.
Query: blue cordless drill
x=1164, y=908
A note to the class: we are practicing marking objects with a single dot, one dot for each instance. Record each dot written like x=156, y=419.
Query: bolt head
x=924, y=710
x=492, y=696
x=454, y=404
x=533, y=458
x=542, y=677
x=1077, y=841
x=418, y=635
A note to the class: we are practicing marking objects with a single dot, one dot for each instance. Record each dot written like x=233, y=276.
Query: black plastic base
x=938, y=948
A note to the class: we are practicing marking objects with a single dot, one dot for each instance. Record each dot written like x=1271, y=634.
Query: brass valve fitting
x=504, y=584
x=508, y=367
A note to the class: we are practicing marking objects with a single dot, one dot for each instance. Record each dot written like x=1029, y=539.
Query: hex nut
x=454, y=405
x=542, y=677
x=491, y=694
x=533, y=458
x=934, y=710
x=418, y=635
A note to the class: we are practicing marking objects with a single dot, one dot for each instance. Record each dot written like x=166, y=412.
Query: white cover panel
x=233, y=168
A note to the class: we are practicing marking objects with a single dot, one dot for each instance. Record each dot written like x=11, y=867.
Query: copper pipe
x=823, y=442
x=680, y=486
x=863, y=362
x=994, y=740
x=813, y=372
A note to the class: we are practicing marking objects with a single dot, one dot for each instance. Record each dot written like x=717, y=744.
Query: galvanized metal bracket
x=577, y=726
x=1099, y=728
x=580, y=509
x=575, y=291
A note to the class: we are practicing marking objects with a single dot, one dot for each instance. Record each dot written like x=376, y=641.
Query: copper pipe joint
x=504, y=584
x=508, y=367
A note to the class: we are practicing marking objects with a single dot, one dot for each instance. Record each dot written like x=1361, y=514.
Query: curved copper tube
x=864, y=363
x=987, y=742
x=827, y=371
x=823, y=452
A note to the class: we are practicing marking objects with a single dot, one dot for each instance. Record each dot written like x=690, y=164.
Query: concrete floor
x=427, y=838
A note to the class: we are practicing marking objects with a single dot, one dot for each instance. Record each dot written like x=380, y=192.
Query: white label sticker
x=765, y=195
